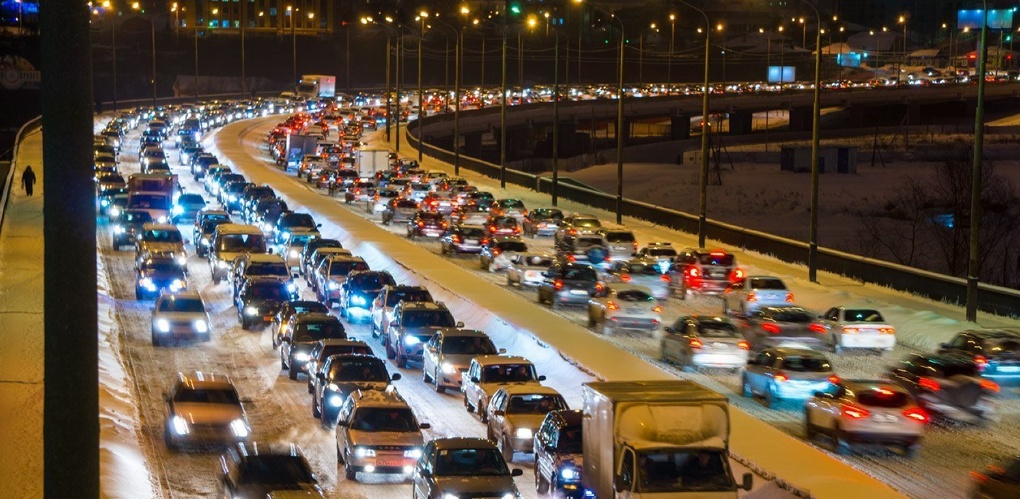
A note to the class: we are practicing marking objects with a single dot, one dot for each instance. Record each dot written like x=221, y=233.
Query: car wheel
x=482, y=416
x=552, y=304
x=837, y=348
x=311, y=388
x=401, y=361
x=425, y=378
x=809, y=429
x=339, y=455
x=244, y=324
x=509, y=283
x=350, y=472
x=324, y=419
x=746, y=387
x=911, y=451
x=725, y=307
x=156, y=342
x=316, y=413
x=842, y=445
x=390, y=353
x=507, y=450
x=439, y=386
x=216, y=280
x=770, y=398
x=591, y=320
x=292, y=373
x=168, y=439
x=683, y=293
x=541, y=484
x=467, y=405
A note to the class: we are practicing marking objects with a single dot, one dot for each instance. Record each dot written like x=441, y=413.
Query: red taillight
x=744, y=345
x=485, y=241
x=696, y=343
x=917, y=414
x=990, y=386
x=571, y=258
x=849, y=330
x=981, y=362
x=887, y=330
x=625, y=278
x=738, y=275
x=558, y=284
x=599, y=287
x=421, y=224
x=492, y=228
x=665, y=278
x=456, y=239
x=751, y=297
x=834, y=379
x=657, y=309
x=978, y=477
x=855, y=412
x=693, y=272
x=929, y=384
x=780, y=377
x=496, y=252
x=573, y=232
x=517, y=230
x=789, y=297
x=771, y=328
x=717, y=253
x=610, y=305
x=817, y=328
x=635, y=245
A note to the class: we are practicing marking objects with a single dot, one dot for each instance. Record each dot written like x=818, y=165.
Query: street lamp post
x=113, y=46
x=815, y=143
x=973, y=265
x=152, y=24
x=421, y=96
x=502, y=113
x=669, y=61
x=293, y=47
x=244, y=84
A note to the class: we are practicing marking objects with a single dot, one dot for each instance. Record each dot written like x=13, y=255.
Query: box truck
x=317, y=86
x=372, y=160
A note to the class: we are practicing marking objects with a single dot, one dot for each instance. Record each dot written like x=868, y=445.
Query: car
x=514, y=414
x=186, y=207
x=858, y=328
x=640, y=272
x=230, y=194
x=381, y=199
x=399, y=210
x=462, y=467
x=324, y=349
x=624, y=307
x=199, y=228
x=230, y=241
x=291, y=248
x=259, y=299
x=947, y=385
x=785, y=373
x=1001, y=481
x=179, y=315
x=502, y=226
x=497, y=254
x=289, y=309
x=704, y=341
x=389, y=296
x=542, y=222
x=621, y=243
x=412, y=326
x=774, y=326
x=186, y=153
x=462, y=239
x=577, y=224
x=203, y=409
x=558, y=454
x=482, y=199
x=129, y=226
x=448, y=354
x=470, y=215
x=160, y=240
x=416, y=191
x=302, y=332
x=257, y=265
x=439, y=202
x=995, y=351
x=310, y=247
x=508, y=207
x=359, y=290
x=253, y=470
x=661, y=251
x=331, y=275
x=586, y=248
x=342, y=375
x=488, y=373
x=265, y=212
x=426, y=224
x=873, y=412
x=526, y=269
x=157, y=274
x=569, y=284
x=702, y=271
x=315, y=260
x=747, y=296
x=360, y=191
x=377, y=432
x=290, y=222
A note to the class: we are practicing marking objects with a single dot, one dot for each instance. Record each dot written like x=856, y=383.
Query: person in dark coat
x=28, y=179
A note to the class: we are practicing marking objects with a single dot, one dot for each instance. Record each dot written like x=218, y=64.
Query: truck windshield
x=149, y=201
x=683, y=470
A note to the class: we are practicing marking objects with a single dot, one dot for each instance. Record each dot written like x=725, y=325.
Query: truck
x=152, y=192
x=296, y=148
x=317, y=86
x=656, y=439
x=372, y=160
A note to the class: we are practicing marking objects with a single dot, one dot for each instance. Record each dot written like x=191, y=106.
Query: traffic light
x=514, y=8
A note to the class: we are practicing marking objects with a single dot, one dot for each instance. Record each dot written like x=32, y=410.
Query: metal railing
x=29, y=126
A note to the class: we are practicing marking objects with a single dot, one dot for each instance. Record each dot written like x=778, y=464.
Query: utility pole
x=973, y=264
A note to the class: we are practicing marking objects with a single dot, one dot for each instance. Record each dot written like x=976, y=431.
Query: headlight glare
x=240, y=428
x=179, y=425
x=147, y=283
x=163, y=325
x=449, y=368
x=201, y=326
x=412, y=453
x=333, y=285
x=358, y=300
x=523, y=433
x=570, y=474
x=250, y=311
x=364, y=452
x=301, y=357
x=411, y=340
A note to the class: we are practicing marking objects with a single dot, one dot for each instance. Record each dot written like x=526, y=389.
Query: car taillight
x=789, y=297
x=693, y=272
x=929, y=384
x=771, y=328
x=599, y=287
x=978, y=477
x=817, y=328
x=665, y=278
x=485, y=241
x=738, y=275
x=696, y=343
x=635, y=245
x=421, y=224
x=981, y=362
x=752, y=297
x=573, y=232
x=517, y=230
x=496, y=252
x=834, y=379
x=456, y=239
x=558, y=284
x=571, y=258
x=854, y=411
x=780, y=377
x=492, y=228
x=625, y=278
x=611, y=305
x=657, y=309
x=990, y=386
x=917, y=414
x=849, y=330
x=744, y=345
x=887, y=330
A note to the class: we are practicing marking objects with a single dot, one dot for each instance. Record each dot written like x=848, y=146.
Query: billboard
x=997, y=19
x=782, y=74
x=849, y=59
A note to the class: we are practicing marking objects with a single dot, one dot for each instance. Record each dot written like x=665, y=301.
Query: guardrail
x=994, y=299
x=29, y=126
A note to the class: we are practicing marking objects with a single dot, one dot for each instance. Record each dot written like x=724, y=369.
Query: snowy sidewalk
x=21, y=331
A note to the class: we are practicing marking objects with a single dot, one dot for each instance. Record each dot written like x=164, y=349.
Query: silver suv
x=449, y=353
x=412, y=326
x=203, y=409
x=378, y=433
x=463, y=467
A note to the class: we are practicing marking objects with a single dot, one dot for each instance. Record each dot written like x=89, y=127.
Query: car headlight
x=163, y=325
x=301, y=357
x=523, y=433
x=240, y=428
x=177, y=285
x=181, y=259
x=358, y=300
x=285, y=234
x=509, y=495
x=115, y=212
x=162, y=219
x=570, y=474
x=119, y=229
x=412, y=453
x=449, y=368
x=364, y=452
x=450, y=496
x=147, y=283
x=333, y=285
x=179, y=425
x=232, y=198
x=204, y=241
x=294, y=253
x=222, y=264
x=201, y=326
x=104, y=203
x=250, y=311
x=178, y=209
x=411, y=340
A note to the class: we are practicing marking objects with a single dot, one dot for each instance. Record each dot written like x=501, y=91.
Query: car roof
x=332, y=342
x=865, y=384
x=201, y=380
x=246, y=449
x=264, y=258
x=183, y=294
x=617, y=287
x=231, y=228
x=710, y=318
x=423, y=305
x=157, y=226
x=994, y=334
x=313, y=316
x=529, y=389
x=458, y=332
x=799, y=352
x=379, y=398
x=463, y=443
x=490, y=360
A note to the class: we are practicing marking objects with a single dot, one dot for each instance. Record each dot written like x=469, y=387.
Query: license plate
x=578, y=292
x=268, y=318
x=182, y=330
x=470, y=241
x=389, y=463
x=885, y=418
x=1009, y=369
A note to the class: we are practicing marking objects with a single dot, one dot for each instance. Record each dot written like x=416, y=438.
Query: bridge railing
x=994, y=299
x=29, y=127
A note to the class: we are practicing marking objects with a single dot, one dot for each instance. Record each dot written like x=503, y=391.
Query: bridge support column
x=625, y=130
x=800, y=119
x=473, y=144
x=741, y=122
x=679, y=127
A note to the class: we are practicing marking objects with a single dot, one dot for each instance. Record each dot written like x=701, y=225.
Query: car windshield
x=644, y=269
x=538, y=261
x=589, y=241
x=368, y=369
x=767, y=284
x=406, y=203
x=269, y=291
x=806, y=364
x=512, y=204
x=373, y=281
x=792, y=315
x=472, y=232
x=344, y=268
x=580, y=274
x=470, y=462
x=505, y=222
x=162, y=236
x=883, y=397
x=269, y=268
x=136, y=217
x=863, y=315
x=667, y=252
x=161, y=266
x=587, y=223
x=344, y=349
x=535, y=404
x=569, y=440
x=301, y=240
x=724, y=259
x=209, y=225
x=547, y=214
x=634, y=296
x=468, y=345
x=149, y=201
x=242, y=242
x=208, y=396
x=508, y=373
x=718, y=329
x=396, y=296
x=949, y=370
x=318, y=330
x=297, y=220
x=177, y=304
x=275, y=470
x=675, y=471
x=427, y=318
x=514, y=246
x=384, y=419
x=190, y=199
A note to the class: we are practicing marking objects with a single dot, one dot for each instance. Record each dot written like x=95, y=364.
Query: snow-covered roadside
x=123, y=467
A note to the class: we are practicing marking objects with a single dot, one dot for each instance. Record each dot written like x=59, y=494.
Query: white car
x=496, y=256
x=754, y=292
x=488, y=373
x=526, y=269
x=449, y=353
x=866, y=412
x=179, y=315
x=625, y=307
x=704, y=341
x=641, y=272
x=515, y=414
x=857, y=327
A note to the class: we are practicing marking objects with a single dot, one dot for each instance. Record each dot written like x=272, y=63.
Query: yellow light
x=311, y=15
x=135, y=6
x=464, y=10
x=289, y=8
x=672, y=17
x=761, y=30
x=903, y=19
x=652, y=26
x=389, y=19
x=423, y=14
x=532, y=21
x=780, y=29
x=718, y=27
x=215, y=11
x=106, y=4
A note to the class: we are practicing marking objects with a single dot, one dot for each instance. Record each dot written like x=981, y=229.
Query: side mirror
x=821, y=394
x=424, y=426
x=541, y=378
x=747, y=482
x=474, y=379
x=498, y=412
x=516, y=472
x=341, y=423
x=460, y=324
x=393, y=323
x=318, y=225
x=395, y=377
x=501, y=351
x=320, y=376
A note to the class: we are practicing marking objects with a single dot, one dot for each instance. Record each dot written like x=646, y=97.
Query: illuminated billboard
x=782, y=74
x=997, y=19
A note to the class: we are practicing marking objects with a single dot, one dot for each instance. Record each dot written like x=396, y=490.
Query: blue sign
x=997, y=19
x=849, y=59
x=782, y=74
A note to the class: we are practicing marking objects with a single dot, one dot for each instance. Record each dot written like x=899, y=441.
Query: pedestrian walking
x=28, y=179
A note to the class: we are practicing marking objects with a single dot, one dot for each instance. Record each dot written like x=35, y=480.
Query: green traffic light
x=515, y=8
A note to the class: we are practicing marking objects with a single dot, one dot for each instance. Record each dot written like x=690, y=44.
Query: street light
x=293, y=46
x=815, y=143
x=902, y=20
x=152, y=24
x=421, y=96
x=389, y=107
x=641, y=53
x=973, y=265
x=556, y=116
x=669, y=61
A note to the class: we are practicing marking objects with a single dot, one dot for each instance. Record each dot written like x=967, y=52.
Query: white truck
x=153, y=192
x=372, y=160
x=657, y=439
x=317, y=86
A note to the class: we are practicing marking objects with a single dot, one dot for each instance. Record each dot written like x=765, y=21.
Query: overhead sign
x=782, y=74
x=997, y=19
